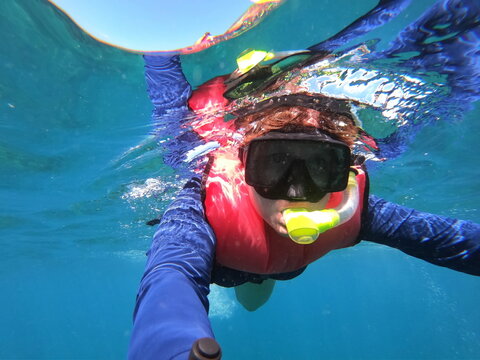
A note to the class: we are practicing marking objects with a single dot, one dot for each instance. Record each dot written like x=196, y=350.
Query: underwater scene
x=84, y=166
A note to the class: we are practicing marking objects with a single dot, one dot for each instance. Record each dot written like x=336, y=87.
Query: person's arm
x=439, y=240
x=172, y=307
x=167, y=86
x=169, y=92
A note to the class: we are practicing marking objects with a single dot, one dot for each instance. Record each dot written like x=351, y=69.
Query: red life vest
x=244, y=241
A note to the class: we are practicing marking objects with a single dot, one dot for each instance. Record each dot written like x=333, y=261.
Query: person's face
x=272, y=210
x=293, y=170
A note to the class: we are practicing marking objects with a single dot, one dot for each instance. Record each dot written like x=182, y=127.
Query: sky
x=153, y=25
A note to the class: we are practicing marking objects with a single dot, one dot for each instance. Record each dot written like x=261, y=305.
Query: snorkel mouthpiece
x=305, y=226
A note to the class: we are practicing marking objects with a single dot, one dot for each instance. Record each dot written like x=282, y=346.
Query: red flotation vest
x=244, y=241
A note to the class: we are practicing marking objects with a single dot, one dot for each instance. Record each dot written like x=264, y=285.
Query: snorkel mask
x=296, y=166
x=303, y=167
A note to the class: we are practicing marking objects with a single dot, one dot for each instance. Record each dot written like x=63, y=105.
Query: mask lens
x=329, y=167
x=267, y=162
x=271, y=165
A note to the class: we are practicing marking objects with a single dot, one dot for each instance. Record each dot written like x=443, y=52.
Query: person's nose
x=297, y=181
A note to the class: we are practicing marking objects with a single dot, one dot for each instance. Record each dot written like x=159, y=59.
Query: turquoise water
x=79, y=176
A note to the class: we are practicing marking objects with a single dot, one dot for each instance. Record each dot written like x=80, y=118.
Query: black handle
x=205, y=349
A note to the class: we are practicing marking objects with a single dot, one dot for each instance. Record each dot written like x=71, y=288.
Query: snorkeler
x=296, y=156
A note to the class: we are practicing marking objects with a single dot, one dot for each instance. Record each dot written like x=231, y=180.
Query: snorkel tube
x=305, y=226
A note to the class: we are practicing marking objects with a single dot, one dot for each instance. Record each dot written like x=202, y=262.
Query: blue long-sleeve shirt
x=172, y=307
x=439, y=240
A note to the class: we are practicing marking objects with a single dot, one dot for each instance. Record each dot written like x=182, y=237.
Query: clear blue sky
x=154, y=24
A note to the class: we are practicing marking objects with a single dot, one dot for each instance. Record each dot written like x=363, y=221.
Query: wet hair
x=297, y=119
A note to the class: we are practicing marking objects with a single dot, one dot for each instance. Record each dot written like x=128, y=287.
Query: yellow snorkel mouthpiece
x=305, y=226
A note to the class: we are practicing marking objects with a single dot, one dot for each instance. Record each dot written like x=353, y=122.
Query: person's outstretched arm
x=169, y=92
x=167, y=86
x=172, y=306
x=439, y=240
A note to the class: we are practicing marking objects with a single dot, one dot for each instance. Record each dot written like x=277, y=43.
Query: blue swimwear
x=172, y=307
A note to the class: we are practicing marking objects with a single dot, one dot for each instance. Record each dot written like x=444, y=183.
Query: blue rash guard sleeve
x=439, y=240
x=169, y=92
x=171, y=311
x=167, y=86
